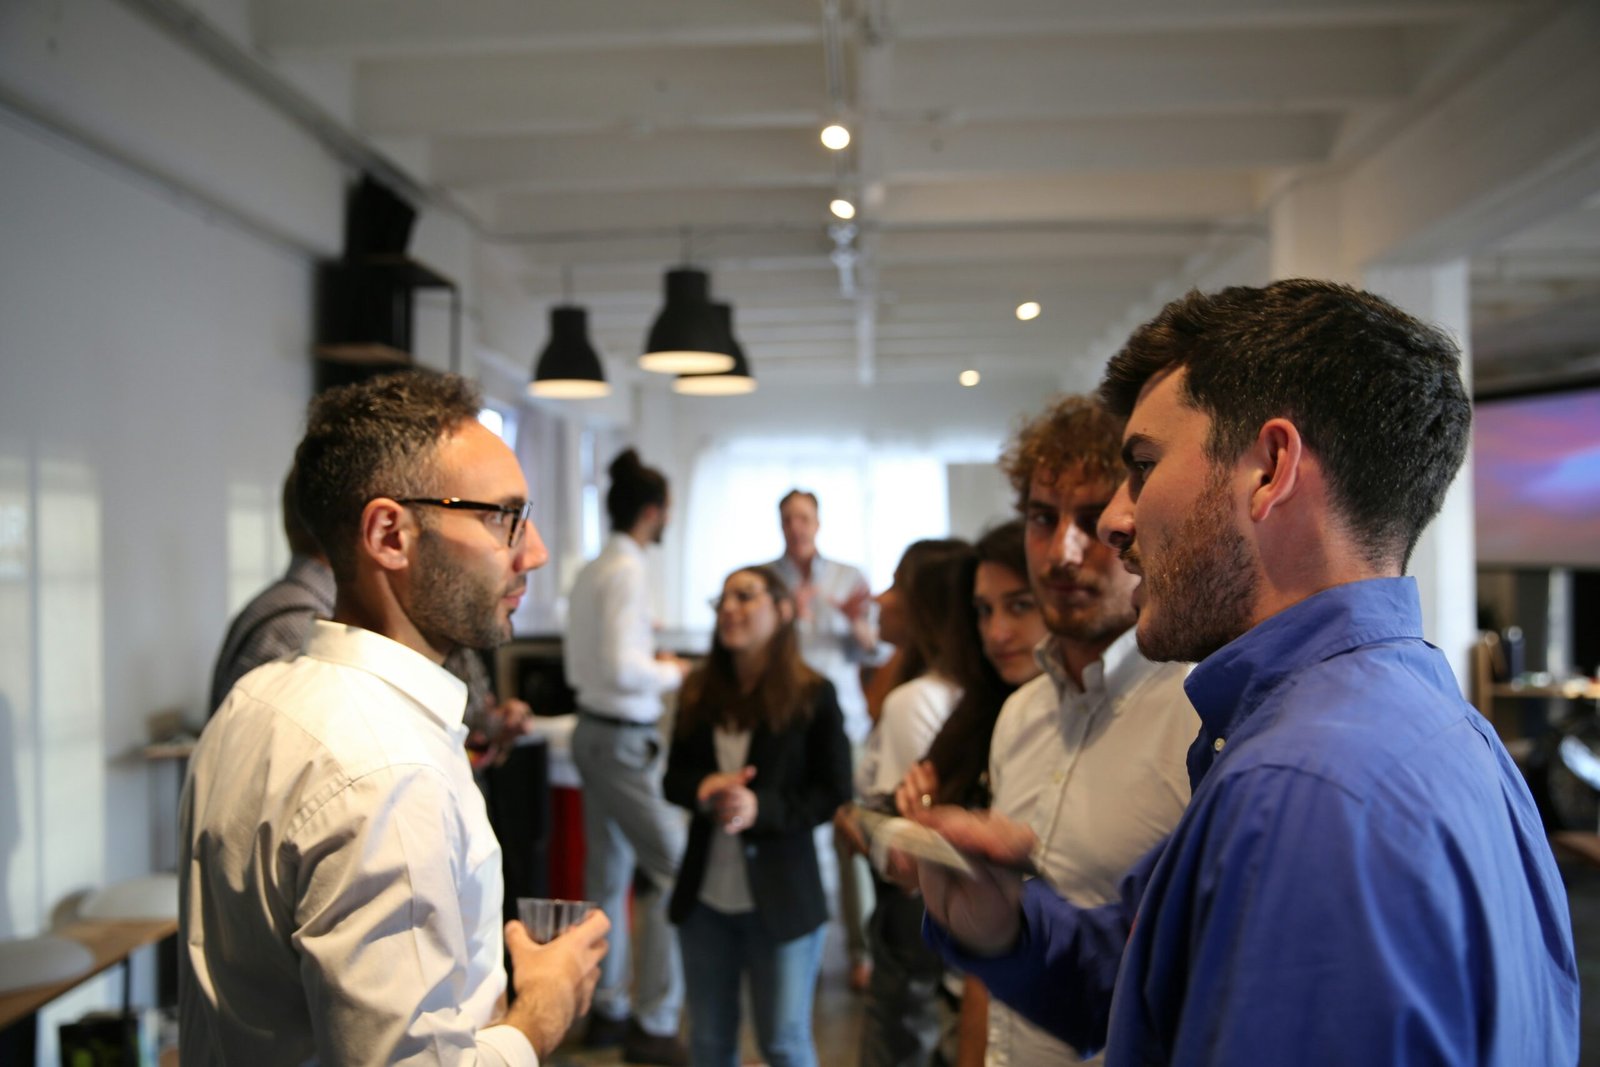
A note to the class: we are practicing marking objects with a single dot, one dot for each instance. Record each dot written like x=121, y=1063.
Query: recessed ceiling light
x=842, y=208
x=1028, y=310
x=835, y=137
x=969, y=378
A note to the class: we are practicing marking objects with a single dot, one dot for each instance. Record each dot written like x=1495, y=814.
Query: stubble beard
x=1202, y=585
x=452, y=606
x=1101, y=621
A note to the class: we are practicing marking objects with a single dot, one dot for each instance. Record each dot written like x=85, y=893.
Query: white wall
x=153, y=372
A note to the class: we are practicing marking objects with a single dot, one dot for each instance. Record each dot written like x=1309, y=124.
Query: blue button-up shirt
x=1360, y=877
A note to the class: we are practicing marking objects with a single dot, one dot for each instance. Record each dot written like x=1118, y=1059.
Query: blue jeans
x=717, y=950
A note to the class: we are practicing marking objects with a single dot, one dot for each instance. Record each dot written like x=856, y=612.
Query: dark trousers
x=901, y=1028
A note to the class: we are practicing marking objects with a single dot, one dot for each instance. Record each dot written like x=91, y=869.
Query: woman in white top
x=932, y=590
x=759, y=755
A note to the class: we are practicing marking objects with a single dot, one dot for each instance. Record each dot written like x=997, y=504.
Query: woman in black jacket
x=760, y=757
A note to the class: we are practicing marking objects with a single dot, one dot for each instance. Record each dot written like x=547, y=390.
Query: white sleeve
x=378, y=926
x=627, y=649
x=912, y=715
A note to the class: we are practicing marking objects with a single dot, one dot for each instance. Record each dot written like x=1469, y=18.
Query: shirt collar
x=1228, y=685
x=623, y=542
x=1119, y=668
x=441, y=694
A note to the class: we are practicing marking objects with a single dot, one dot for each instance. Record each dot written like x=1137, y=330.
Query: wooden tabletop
x=110, y=941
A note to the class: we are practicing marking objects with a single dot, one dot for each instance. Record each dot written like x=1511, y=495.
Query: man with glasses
x=341, y=893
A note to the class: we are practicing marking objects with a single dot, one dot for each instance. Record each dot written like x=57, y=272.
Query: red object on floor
x=566, y=843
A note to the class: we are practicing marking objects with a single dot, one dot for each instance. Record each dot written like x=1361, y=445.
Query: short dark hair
x=800, y=494
x=1072, y=431
x=375, y=438
x=1376, y=394
x=301, y=541
x=634, y=487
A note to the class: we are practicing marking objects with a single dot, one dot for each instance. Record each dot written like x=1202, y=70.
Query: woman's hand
x=846, y=830
x=917, y=791
x=734, y=809
x=727, y=798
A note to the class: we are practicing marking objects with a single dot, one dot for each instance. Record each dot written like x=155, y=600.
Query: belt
x=615, y=720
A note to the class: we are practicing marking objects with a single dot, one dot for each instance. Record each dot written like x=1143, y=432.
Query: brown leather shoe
x=641, y=1046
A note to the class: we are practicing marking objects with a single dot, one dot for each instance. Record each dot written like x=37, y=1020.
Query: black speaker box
x=376, y=221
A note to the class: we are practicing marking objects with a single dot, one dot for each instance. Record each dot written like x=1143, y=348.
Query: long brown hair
x=783, y=696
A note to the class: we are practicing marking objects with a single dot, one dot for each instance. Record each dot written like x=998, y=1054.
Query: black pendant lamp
x=569, y=368
x=731, y=382
x=688, y=337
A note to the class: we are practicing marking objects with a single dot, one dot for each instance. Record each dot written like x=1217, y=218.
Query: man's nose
x=1116, y=521
x=531, y=554
x=1071, y=542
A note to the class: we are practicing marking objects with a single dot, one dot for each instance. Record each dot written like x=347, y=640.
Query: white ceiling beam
x=388, y=28
x=644, y=89
x=1518, y=143
x=1177, y=74
x=689, y=159
x=1151, y=143
x=923, y=19
x=610, y=210
x=1091, y=196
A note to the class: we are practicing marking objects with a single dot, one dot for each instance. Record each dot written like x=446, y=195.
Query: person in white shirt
x=610, y=658
x=1091, y=755
x=340, y=896
x=838, y=636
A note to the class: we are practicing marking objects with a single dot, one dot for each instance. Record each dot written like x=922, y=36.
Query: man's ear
x=387, y=533
x=1277, y=458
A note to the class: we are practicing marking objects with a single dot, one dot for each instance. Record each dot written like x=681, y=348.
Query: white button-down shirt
x=1100, y=775
x=827, y=636
x=340, y=886
x=609, y=649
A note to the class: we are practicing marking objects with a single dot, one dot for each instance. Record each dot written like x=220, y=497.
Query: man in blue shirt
x=1361, y=875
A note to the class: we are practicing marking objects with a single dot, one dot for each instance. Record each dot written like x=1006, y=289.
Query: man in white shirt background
x=838, y=633
x=1090, y=754
x=340, y=896
x=633, y=837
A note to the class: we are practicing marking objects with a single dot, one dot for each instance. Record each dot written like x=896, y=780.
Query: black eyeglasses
x=512, y=516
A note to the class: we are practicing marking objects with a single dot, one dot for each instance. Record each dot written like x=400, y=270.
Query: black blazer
x=802, y=776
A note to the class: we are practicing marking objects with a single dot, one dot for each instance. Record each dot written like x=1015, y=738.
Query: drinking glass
x=547, y=919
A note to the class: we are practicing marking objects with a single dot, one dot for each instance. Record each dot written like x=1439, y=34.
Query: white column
x=1305, y=231
x=1444, y=562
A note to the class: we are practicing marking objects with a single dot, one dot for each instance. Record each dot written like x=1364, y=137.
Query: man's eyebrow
x=1133, y=441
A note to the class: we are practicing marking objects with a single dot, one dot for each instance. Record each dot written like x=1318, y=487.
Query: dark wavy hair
x=960, y=751
x=1375, y=394
x=634, y=487
x=783, y=696
x=375, y=438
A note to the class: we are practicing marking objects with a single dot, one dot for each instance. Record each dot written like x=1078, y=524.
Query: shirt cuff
x=511, y=1044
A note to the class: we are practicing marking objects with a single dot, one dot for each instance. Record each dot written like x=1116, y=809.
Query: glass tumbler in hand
x=546, y=919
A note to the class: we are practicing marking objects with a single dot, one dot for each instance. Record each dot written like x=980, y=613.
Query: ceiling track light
x=842, y=208
x=569, y=368
x=688, y=336
x=835, y=136
x=734, y=381
x=1028, y=310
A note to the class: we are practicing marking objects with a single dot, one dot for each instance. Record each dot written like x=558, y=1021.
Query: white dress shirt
x=609, y=649
x=340, y=886
x=1100, y=775
x=827, y=637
